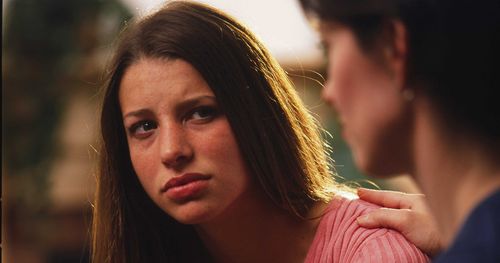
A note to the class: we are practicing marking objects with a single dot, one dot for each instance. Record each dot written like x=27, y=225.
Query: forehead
x=154, y=80
x=153, y=69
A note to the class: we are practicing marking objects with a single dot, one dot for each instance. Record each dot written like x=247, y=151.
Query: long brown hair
x=278, y=138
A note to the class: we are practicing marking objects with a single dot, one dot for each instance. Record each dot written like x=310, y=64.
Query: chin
x=191, y=218
x=377, y=167
x=192, y=214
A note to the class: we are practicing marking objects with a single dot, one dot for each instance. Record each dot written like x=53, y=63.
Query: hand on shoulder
x=406, y=213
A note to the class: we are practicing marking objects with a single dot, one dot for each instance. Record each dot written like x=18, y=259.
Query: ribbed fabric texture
x=340, y=239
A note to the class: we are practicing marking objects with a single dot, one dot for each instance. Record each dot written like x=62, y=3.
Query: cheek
x=225, y=157
x=143, y=165
x=221, y=145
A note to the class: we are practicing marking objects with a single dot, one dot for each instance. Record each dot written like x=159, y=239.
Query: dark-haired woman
x=415, y=84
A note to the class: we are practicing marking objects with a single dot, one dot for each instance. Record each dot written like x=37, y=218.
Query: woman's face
x=181, y=145
x=367, y=97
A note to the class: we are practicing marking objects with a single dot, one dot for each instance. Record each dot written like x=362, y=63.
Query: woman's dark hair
x=278, y=138
x=453, y=51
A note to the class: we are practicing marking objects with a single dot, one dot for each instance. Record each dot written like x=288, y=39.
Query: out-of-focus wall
x=53, y=55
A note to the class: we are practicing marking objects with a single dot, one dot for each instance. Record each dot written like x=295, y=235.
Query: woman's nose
x=327, y=94
x=175, y=148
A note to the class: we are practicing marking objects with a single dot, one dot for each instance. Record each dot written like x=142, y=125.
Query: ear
x=396, y=51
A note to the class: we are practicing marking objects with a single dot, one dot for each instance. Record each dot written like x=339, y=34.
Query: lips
x=186, y=186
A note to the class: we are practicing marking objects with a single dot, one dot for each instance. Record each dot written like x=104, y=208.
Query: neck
x=258, y=231
x=455, y=172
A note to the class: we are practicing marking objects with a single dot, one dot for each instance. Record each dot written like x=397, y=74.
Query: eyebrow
x=182, y=106
x=136, y=113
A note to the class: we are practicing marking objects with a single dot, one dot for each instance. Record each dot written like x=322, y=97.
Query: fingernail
x=361, y=191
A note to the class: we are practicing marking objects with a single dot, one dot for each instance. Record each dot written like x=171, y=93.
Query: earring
x=408, y=94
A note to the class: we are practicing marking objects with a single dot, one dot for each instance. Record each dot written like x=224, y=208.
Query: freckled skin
x=179, y=139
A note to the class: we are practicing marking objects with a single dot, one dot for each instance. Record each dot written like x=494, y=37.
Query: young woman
x=414, y=83
x=208, y=155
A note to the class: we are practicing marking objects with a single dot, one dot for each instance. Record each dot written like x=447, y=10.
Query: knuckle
x=406, y=216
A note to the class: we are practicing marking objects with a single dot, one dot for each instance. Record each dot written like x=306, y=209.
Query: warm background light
x=280, y=24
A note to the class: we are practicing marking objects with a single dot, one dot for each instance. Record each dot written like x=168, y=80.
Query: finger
x=390, y=199
x=397, y=219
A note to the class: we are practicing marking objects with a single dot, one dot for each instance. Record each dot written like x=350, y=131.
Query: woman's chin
x=375, y=167
x=191, y=215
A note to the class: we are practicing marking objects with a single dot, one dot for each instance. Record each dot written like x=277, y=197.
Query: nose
x=327, y=94
x=175, y=148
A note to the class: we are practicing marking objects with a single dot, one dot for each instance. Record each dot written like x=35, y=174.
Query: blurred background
x=54, y=53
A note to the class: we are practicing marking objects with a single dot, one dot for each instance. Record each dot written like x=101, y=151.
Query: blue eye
x=143, y=128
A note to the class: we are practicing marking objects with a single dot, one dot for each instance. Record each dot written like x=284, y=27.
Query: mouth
x=186, y=186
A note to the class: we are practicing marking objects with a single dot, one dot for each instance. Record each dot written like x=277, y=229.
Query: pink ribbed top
x=340, y=239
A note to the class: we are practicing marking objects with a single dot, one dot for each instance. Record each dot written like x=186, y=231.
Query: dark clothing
x=479, y=239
